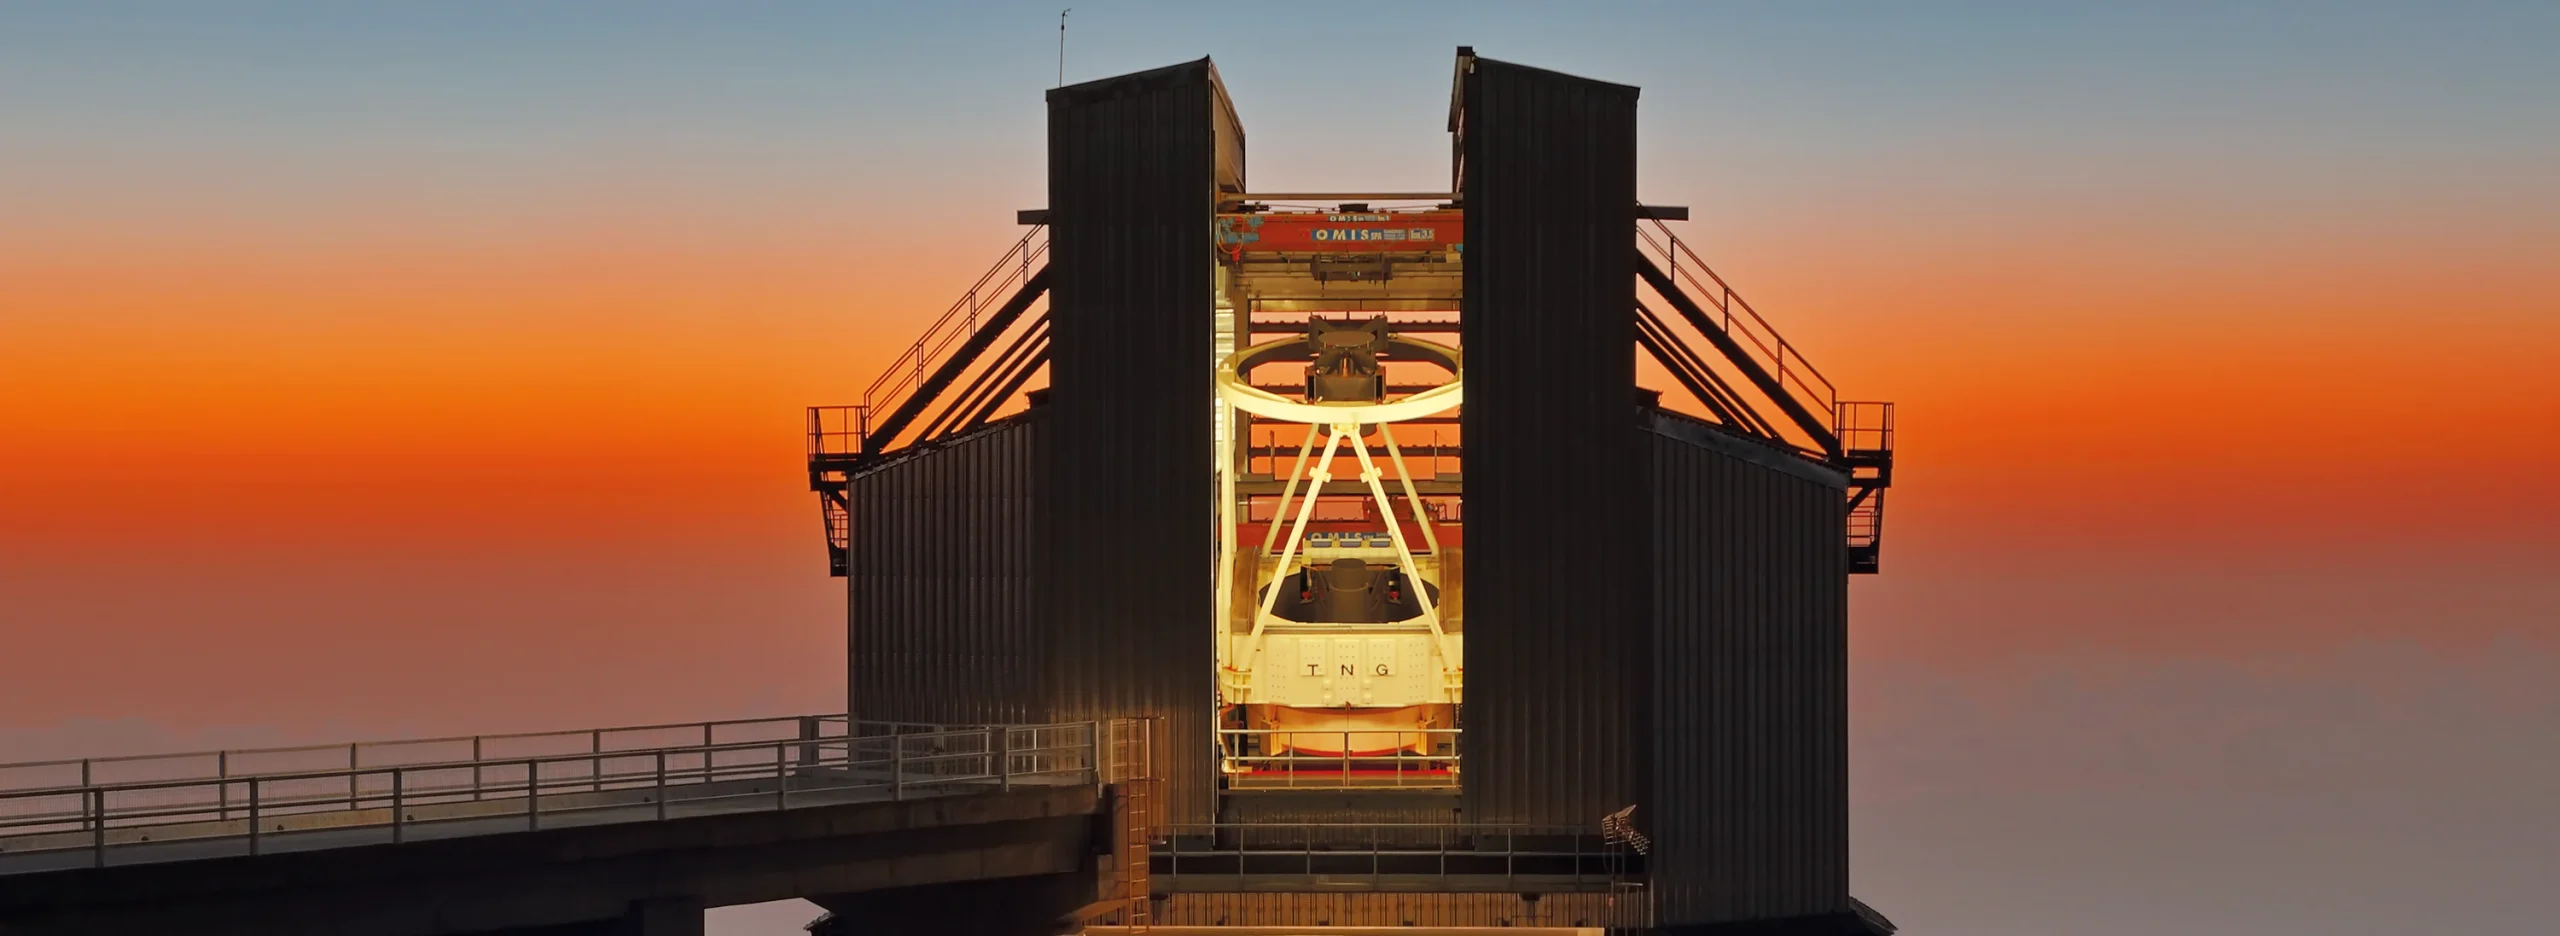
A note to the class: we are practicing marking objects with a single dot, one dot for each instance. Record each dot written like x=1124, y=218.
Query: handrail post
x=476, y=782
x=222, y=789
x=87, y=818
x=352, y=801
x=98, y=831
x=398, y=805
x=706, y=752
x=662, y=784
x=808, y=741
x=1289, y=764
x=595, y=765
x=1000, y=750
x=781, y=775
x=897, y=766
x=253, y=815
x=532, y=794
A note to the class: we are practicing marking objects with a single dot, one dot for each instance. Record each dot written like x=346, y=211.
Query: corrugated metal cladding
x=1132, y=189
x=941, y=593
x=1360, y=810
x=1620, y=910
x=1749, y=816
x=1557, y=669
x=1348, y=820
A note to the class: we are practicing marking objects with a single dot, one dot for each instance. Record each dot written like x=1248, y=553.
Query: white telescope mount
x=1343, y=423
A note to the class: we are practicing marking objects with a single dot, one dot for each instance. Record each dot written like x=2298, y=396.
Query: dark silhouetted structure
x=1631, y=603
x=1505, y=640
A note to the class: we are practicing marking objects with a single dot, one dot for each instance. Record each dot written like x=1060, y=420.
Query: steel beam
x=958, y=363
x=1341, y=197
x=1749, y=366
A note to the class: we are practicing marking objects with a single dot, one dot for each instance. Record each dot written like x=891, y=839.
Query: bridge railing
x=808, y=760
x=246, y=762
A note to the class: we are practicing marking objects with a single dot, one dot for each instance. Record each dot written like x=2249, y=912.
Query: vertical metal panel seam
x=1750, y=754
x=1556, y=685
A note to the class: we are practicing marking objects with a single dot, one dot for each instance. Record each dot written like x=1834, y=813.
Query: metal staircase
x=1866, y=440
x=947, y=383
x=912, y=402
x=1855, y=437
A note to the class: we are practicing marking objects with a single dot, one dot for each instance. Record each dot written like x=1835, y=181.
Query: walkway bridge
x=630, y=829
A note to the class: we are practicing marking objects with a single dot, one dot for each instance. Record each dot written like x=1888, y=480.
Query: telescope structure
x=1426, y=528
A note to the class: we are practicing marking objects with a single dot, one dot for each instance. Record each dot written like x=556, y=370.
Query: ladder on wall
x=1133, y=776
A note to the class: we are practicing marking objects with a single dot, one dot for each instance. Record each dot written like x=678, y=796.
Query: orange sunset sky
x=440, y=368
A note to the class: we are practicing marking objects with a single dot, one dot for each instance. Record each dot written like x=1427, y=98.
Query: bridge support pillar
x=1023, y=906
x=664, y=917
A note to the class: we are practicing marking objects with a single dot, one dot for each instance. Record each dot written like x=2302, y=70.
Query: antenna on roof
x=1062, y=45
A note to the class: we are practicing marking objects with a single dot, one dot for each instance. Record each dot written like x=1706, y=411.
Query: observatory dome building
x=1478, y=557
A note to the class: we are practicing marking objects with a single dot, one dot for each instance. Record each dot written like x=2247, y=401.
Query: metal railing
x=1275, y=757
x=958, y=322
x=1740, y=320
x=1864, y=425
x=836, y=517
x=838, y=430
x=239, y=763
x=1343, y=851
x=1866, y=522
x=807, y=760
